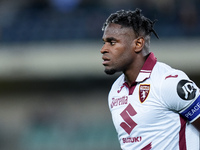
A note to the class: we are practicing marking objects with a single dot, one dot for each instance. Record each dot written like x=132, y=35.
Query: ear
x=139, y=44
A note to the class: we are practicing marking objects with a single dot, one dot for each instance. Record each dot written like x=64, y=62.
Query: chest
x=136, y=110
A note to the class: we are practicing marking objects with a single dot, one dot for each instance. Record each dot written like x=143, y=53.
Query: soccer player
x=153, y=106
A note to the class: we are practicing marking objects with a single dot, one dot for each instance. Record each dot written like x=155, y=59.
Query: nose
x=104, y=49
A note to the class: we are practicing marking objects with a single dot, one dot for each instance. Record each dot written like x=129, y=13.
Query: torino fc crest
x=144, y=90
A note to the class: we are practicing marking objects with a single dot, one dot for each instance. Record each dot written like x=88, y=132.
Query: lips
x=106, y=60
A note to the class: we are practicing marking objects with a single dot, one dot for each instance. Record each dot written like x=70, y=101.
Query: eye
x=112, y=43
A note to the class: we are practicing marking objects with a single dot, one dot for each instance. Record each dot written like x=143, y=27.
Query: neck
x=131, y=74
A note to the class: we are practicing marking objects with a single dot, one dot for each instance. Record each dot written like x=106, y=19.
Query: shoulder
x=169, y=77
x=164, y=74
x=118, y=83
x=160, y=73
x=162, y=68
x=176, y=90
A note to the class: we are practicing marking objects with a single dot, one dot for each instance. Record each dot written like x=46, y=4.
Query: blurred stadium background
x=53, y=91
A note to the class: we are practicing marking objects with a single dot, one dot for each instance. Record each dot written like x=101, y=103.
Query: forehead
x=116, y=30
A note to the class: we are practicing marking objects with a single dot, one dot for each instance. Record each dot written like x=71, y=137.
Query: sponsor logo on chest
x=119, y=101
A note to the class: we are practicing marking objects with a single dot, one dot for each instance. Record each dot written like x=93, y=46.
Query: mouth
x=105, y=61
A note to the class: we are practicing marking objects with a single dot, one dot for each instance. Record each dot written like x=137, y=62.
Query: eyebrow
x=109, y=39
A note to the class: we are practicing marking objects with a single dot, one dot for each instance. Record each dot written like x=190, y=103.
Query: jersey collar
x=147, y=68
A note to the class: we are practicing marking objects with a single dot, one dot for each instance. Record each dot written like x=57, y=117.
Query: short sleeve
x=178, y=91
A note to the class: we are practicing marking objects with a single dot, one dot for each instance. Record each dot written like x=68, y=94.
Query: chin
x=110, y=71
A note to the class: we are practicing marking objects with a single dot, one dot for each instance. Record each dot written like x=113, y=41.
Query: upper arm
x=181, y=95
x=192, y=113
x=178, y=91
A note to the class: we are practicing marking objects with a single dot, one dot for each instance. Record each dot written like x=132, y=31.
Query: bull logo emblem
x=144, y=90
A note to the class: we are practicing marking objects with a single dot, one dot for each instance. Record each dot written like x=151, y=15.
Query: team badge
x=144, y=90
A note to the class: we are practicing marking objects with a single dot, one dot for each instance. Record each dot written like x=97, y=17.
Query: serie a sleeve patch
x=193, y=111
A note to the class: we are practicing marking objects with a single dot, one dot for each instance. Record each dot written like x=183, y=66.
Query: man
x=153, y=106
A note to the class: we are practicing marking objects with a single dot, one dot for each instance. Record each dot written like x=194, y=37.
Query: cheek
x=124, y=58
x=121, y=53
x=125, y=53
x=118, y=55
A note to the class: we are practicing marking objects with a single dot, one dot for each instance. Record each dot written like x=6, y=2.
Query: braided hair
x=140, y=24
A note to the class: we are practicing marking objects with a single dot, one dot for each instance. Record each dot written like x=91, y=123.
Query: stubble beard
x=110, y=71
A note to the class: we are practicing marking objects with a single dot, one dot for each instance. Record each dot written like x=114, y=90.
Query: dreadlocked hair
x=140, y=24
